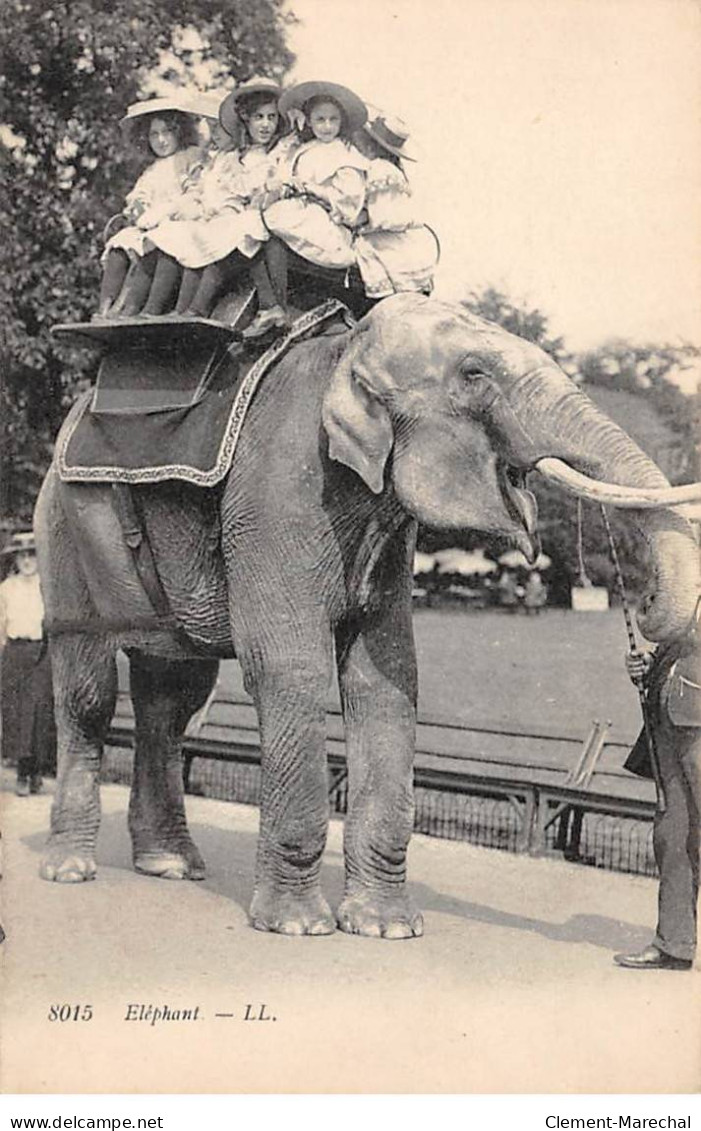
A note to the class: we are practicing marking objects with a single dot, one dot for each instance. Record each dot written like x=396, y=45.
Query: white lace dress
x=221, y=212
x=152, y=199
x=322, y=202
x=393, y=250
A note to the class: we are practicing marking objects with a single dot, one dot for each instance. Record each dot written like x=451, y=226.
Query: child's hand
x=133, y=211
x=155, y=214
x=297, y=119
x=284, y=189
x=638, y=665
x=264, y=199
x=148, y=218
x=189, y=210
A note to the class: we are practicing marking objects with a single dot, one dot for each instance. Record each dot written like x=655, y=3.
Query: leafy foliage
x=530, y=324
x=69, y=70
x=650, y=373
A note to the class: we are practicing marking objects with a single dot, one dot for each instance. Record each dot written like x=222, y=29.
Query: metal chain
x=620, y=584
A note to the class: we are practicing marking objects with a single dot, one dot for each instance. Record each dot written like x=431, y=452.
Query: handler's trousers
x=676, y=839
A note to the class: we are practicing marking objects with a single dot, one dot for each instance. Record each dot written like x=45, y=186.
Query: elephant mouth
x=521, y=505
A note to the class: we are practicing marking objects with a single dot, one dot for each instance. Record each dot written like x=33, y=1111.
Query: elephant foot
x=183, y=863
x=380, y=916
x=287, y=914
x=63, y=865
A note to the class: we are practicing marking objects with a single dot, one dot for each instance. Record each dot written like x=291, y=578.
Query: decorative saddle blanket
x=194, y=440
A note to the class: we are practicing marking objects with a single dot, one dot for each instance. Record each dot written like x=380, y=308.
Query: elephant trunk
x=571, y=428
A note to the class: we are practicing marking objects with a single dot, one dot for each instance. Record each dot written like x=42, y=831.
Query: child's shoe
x=36, y=783
x=22, y=787
x=274, y=318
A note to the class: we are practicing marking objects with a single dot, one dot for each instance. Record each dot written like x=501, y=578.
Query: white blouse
x=21, y=608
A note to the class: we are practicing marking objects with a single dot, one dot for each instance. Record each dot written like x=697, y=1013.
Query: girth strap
x=136, y=539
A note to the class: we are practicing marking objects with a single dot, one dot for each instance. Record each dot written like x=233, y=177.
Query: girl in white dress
x=318, y=195
x=168, y=128
x=394, y=251
x=218, y=226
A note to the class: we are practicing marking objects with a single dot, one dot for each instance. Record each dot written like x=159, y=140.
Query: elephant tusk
x=634, y=498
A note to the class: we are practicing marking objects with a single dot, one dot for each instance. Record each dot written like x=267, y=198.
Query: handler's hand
x=638, y=665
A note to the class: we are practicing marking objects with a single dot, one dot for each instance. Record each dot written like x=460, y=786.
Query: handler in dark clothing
x=672, y=676
x=26, y=694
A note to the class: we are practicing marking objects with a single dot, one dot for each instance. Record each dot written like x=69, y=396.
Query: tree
x=69, y=70
x=651, y=376
x=528, y=323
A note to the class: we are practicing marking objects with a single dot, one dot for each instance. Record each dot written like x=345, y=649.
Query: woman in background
x=26, y=694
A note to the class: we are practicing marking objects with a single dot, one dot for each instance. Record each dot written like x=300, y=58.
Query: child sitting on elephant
x=168, y=128
x=317, y=197
x=218, y=227
x=394, y=251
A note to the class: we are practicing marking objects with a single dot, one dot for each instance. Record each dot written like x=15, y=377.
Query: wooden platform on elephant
x=171, y=333
x=174, y=414
x=167, y=332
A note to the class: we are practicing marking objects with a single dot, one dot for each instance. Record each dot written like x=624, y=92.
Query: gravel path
x=512, y=988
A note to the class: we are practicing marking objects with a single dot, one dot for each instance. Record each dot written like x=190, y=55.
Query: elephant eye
x=471, y=371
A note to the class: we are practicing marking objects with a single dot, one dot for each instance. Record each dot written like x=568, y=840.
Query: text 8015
x=67, y=1012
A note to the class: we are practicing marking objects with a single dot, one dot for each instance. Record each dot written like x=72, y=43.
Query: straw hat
x=179, y=101
x=22, y=542
x=229, y=110
x=206, y=105
x=353, y=107
x=391, y=133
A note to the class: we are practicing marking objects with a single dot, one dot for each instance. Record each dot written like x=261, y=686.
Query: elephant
x=301, y=560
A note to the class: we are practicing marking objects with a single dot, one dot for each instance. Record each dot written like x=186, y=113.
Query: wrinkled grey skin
x=303, y=559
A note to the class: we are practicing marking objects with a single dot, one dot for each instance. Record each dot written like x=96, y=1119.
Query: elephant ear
x=355, y=418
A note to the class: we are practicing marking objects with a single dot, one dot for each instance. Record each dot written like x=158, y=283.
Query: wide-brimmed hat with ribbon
x=21, y=542
x=229, y=115
x=354, y=108
x=391, y=133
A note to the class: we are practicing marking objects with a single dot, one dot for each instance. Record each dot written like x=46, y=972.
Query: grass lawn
x=559, y=669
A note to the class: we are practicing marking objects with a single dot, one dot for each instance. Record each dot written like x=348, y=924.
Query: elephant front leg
x=294, y=807
x=377, y=676
x=165, y=695
x=85, y=689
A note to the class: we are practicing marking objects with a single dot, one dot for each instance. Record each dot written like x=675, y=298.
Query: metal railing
x=468, y=784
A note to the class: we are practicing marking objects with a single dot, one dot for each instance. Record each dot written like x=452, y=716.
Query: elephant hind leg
x=85, y=689
x=165, y=695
